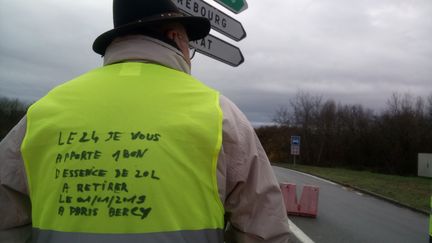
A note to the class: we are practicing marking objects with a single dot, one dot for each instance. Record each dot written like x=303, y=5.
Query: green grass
x=411, y=191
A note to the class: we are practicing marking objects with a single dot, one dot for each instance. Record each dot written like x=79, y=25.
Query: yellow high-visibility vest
x=126, y=150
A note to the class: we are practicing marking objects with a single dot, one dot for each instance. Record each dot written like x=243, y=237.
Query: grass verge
x=411, y=191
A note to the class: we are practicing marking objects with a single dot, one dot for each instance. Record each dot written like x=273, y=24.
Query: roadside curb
x=364, y=191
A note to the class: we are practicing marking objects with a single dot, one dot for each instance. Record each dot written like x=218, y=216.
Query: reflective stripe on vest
x=126, y=148
x=199, y=236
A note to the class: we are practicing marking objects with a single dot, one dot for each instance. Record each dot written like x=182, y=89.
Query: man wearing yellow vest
x=138, y=150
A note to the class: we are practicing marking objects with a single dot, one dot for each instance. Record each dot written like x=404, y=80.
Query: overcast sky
x=353, y=51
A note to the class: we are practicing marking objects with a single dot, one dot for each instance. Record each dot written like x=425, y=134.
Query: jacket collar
x=140, y=48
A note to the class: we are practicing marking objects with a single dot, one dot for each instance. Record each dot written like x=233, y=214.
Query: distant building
x=425, y=165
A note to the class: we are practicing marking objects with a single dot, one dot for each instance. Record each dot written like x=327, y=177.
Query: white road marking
x=299, y=234
x=321, y=179
x=345, y=188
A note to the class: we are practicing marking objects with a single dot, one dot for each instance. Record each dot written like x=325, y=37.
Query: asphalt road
x=345, y=215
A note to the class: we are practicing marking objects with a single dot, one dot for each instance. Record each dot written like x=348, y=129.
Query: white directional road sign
x=218, y=49
x=220, y=21
x=235, y=6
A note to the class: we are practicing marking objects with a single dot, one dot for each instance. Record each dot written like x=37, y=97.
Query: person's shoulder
x=233, y=118
x=231, y=110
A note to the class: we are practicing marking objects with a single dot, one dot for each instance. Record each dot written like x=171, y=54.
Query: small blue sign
x=295, y=145
x=295, y=140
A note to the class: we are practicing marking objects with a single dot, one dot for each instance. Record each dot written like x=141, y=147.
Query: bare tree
x=11, y=111
x=429, y=107
x=352, y=136
x=326, y=123
x=306, y=109
x=282, y=116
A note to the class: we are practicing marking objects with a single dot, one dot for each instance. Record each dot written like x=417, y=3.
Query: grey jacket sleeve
x=14, y=200
x=253, y=200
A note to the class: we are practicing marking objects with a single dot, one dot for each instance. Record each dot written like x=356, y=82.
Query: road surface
x=346, y=215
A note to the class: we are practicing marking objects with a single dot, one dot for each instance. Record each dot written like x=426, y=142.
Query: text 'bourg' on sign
x=219, y=21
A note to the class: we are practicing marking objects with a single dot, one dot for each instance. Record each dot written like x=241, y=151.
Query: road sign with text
x=218, y=49
x=295, y=145
x=235, y=6
x=219, y=21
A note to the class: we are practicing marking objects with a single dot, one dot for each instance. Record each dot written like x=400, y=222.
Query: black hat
x=130, y=16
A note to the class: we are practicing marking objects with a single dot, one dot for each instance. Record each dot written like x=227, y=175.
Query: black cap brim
x=196, y=28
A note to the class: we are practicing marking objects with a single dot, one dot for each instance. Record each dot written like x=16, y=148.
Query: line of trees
x=11, y=112
x=352, y=136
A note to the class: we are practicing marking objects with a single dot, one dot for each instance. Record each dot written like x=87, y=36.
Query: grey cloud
x=351, y=51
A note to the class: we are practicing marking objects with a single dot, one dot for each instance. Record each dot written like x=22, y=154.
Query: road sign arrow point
x=241, y=59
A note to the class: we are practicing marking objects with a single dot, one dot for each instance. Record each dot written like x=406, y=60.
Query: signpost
x=219, y=50
x=219, y=21
x=295, y=146
x=235, y=6
x=211, y=45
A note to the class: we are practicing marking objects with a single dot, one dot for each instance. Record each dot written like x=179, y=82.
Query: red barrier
x=308, y=205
